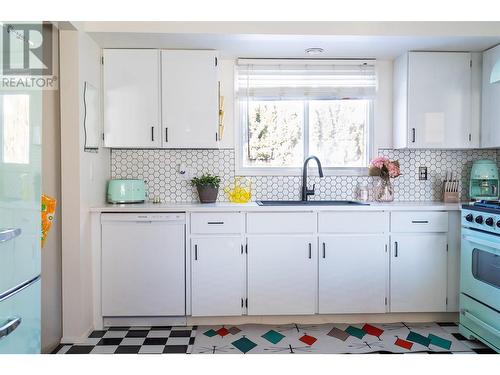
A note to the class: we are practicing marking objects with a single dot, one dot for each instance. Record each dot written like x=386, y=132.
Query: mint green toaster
x=126, y=191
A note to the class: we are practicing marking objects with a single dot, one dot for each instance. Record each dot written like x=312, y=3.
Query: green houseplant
x=207, y=186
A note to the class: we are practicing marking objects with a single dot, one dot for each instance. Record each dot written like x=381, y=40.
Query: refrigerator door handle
x=7, y=234
x=10, y=326
x=9, y=293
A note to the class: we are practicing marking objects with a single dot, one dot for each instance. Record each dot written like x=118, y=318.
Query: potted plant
x=385, y=169
x=207, y=186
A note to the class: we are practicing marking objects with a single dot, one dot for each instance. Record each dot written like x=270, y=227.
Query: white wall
x=382, y=132
x=84, y=177
x=51, y=185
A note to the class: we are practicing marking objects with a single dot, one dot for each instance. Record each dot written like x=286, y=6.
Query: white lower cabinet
x=217, y=276
x=353, y=273
x=418, y=272
x=282, y=275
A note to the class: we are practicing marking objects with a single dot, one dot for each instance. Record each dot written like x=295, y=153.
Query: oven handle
x=493, y=245
x=479, y=322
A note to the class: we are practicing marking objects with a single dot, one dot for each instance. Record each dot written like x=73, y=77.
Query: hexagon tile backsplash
x=160, y=170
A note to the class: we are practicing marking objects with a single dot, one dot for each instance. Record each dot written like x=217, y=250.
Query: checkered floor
x=135, y=340
x=166, y=339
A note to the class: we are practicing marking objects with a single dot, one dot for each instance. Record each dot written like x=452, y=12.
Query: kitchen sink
x=311, y=203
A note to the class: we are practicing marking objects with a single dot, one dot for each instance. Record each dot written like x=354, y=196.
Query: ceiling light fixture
x=314, y=51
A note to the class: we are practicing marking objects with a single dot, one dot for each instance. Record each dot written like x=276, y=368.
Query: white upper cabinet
x=434, y=100
x=131, y=98
x=490, y=121
x=161, y=99
x=190, y=99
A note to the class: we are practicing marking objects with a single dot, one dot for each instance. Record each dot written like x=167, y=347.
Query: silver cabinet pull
x=324, y=250
x=10, y=326
x=195, y=252
x=310, y=250
x=7, y=234
x=396, y=249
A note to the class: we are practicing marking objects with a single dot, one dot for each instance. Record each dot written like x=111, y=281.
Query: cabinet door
x=282, y=274
x=418, y=272
x=490, y=115
x=190, y=99
x=218, y=274
x=353, y=273
x=439, y=100
x=131, y=98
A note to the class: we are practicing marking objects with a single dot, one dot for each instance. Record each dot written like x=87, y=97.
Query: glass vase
x=384, y=191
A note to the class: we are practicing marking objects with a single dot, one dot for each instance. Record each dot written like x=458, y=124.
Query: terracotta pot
x=207, y=194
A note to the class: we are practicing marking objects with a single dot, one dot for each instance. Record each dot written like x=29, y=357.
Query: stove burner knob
x=469, y=217
x=479, y=219
x=489, y=221
x=498, y=223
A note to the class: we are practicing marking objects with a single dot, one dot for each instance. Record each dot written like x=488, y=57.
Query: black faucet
x=305, y=191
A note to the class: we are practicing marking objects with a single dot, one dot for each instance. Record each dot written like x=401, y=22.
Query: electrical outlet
x=422, y=173
x=185, y=172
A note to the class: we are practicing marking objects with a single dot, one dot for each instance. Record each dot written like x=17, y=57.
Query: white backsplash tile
x=160, y=170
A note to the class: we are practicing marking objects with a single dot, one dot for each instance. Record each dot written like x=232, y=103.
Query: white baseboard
x=145, y=321
x=319, y=319
x=76, y=339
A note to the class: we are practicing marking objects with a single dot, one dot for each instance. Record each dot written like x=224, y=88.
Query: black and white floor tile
x=167, y=339
x=135, y=340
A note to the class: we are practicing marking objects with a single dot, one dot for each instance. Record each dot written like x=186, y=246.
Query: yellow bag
x=240, y=191
x=48, y=211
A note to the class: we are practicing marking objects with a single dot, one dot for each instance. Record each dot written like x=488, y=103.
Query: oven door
x=480, y=267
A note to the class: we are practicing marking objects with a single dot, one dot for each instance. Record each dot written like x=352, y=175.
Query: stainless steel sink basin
x=311, y=203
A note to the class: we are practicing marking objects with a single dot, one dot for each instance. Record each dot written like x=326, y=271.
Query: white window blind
x=306, y=80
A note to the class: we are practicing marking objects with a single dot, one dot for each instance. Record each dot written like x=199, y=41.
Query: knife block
x=451, y=197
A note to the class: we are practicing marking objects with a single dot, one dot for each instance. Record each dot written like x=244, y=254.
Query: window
x=16, y=128
x=288, y=110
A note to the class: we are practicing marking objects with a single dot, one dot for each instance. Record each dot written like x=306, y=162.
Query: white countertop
x=252, y=206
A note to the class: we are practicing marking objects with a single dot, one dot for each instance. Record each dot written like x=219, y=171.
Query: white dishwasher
x=143, y=264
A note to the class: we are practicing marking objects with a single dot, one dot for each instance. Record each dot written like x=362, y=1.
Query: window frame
x=241, y=118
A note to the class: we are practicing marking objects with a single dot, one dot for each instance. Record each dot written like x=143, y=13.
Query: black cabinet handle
x=310, y=250
x=324, y=250
x=195, y=252
x=395, y=249
x=152, y=134
x=413, y=135
x=215, y=222
x=420, y=222
x=166, y=134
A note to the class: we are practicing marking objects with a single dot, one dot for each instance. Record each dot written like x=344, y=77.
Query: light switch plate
x=422, y=173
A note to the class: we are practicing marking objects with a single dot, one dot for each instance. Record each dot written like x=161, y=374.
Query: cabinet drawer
x=281, y=222
x=216, y=222
x=353, y=222
x=419, y=221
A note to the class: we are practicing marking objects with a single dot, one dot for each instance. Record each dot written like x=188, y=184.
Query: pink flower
x=379, y=162
x=393, y=169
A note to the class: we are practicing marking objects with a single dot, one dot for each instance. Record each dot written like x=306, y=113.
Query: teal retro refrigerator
x=20, y=227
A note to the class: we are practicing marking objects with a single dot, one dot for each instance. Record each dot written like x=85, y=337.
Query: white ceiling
x=252, y=45
x=290, y=39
